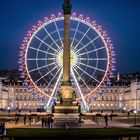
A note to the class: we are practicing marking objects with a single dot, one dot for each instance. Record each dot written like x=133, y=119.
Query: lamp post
x=135, y=117
x=124, y=110
x=8, y=108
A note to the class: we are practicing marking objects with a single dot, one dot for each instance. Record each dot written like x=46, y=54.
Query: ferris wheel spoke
x=41, y=51
x=78, y=87
x=53, y=78
x=45, y=43
x=92, y=67
x=81, y=38
x=59, y=34
x=38, y=68
x=81, y=79
x=86, y=59
x=36, y=59
x=88, y=74
x=55, y=88
x=46, y=74
x=52, y=38
x=92, y=51
x=74, y=35
x=88, y=44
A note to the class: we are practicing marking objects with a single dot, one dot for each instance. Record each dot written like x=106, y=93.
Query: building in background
x=123, y=93
x=115, y=98
x=4, y=96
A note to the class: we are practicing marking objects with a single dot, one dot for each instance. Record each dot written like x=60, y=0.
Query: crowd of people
x=46, y=121
x=106, y=118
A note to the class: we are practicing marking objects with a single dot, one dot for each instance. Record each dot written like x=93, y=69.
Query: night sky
x=120, y=18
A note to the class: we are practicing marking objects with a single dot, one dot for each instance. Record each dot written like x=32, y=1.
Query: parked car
x=41, y=110
x=1, y=109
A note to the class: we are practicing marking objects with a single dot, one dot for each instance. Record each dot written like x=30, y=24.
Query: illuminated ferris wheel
x=92, y=57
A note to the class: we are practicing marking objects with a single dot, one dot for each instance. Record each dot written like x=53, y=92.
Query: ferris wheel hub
x=73, y=58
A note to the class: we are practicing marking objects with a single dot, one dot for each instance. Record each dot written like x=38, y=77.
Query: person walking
x=42, y=120
x=24, y=119
x=128, y=114
x=49, y=122
x=111, y=117
x=16, y=120
x=30, y=120
x=45, y=122
x=97, y=118
x=106, y=120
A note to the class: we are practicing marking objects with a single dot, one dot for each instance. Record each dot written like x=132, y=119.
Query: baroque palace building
x=16, y=96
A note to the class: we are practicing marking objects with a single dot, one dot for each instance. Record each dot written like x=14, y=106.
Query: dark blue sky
x=121, y=19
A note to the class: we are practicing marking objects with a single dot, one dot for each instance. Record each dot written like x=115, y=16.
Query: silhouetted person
x=16, y=120
x=128, y=113
x=106, y=120
x=42, y=120
x=80, y=117
x=49, y=122
x=45, y=121
x=111, y=117
x=25, y=119
x=97, y=118
x=30, y=120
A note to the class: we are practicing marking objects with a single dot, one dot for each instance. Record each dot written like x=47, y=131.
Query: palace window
x=25, y=97
x=106, y=98
x=102, y=98
x=20, y=97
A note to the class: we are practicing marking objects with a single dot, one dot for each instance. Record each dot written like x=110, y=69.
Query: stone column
x=66, y=53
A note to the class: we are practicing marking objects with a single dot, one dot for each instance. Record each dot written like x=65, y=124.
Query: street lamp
x=124, y=110
x=135, y=112
x=8, y=108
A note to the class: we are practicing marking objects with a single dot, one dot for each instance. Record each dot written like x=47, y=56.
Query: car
x=132, y=110
x=1, y=109
x=41, y=110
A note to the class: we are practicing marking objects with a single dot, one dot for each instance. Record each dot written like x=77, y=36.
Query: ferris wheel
x=92, y=57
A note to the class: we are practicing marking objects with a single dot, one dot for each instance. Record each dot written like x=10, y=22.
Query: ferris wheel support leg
x=55, y=88
x=80, y=92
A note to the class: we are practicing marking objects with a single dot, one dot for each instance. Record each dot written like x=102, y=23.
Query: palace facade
x=115, y=98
